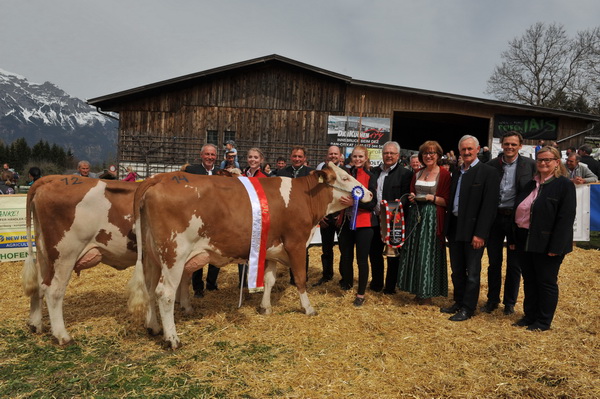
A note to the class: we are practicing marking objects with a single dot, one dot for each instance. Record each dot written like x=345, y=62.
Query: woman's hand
x=346, y=201
x=411, y=197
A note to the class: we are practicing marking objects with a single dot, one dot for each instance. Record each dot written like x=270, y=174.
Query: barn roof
x=185, y=80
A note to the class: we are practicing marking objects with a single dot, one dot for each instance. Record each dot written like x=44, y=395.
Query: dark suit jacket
x=199, y=169
x=289, y=171
x=396, y=183
x=592, y=164
x=526, y=168
x=478, y=202
x=552, y=217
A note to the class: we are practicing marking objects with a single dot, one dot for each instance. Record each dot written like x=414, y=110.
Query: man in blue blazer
x=470, y=214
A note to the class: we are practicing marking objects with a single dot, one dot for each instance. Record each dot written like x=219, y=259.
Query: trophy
x=393, y=229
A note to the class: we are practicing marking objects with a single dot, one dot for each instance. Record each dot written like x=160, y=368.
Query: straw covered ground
x=389, y=348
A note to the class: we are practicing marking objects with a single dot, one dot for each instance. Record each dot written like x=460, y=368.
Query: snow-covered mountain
x=45, y=112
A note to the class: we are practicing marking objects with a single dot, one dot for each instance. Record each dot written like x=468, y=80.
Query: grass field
x=389, y=348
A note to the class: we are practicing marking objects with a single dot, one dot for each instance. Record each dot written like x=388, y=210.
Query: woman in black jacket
x=544, y=217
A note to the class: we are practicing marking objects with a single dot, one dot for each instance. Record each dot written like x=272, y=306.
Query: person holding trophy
x=423, y=270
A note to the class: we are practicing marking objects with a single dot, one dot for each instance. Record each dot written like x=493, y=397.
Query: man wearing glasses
x=393, y=181
x=515, y=172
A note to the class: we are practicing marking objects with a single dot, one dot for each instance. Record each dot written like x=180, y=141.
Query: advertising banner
x=531, y=128
x=343, y=131
x=13, y=235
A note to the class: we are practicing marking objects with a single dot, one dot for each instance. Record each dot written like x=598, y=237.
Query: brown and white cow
x=78, y=222
x=187, y=221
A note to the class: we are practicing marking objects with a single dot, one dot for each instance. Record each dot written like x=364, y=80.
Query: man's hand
x=477, y=242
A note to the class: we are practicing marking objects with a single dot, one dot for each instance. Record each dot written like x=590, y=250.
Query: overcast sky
x=93, y=48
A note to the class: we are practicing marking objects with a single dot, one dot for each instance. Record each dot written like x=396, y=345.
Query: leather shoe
x=509, y=309
x=358, y=301
x=451, y=309
x=522, y=322
x=489, y=307
x=199, y=294
x=321, y=281
x=462, y=315
x=537, y=327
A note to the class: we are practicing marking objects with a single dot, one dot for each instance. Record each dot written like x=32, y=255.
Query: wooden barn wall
x=271, y=108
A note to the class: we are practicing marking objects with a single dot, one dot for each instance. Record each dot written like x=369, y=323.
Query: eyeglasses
x=390, y=153
x=429, y=154
x=545, y=160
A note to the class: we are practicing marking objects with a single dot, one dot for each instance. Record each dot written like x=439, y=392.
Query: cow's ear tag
x=320, y=179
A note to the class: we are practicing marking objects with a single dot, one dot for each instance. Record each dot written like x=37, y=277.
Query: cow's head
x=342, y=184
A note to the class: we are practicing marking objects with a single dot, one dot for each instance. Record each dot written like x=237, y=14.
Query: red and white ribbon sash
x=261, y=221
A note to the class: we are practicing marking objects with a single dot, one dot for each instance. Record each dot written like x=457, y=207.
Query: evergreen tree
x=19, y=154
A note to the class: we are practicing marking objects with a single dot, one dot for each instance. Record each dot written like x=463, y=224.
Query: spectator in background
x=83, y=169
x=5, y=183
x=485, y=155
x=585, y=152
x=14, y=175
x=131, y=175
x=229, y=150
x=415, y=164
x=539, y=146
x=34, y=174
x=267, y=169
x=281, y=164
x=579, y=173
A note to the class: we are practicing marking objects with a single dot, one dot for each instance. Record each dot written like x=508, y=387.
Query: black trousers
x=361, y=239
x=540, y=284
x=211, y=279
x=495, y=247
x=377, y=266
x=327, y=244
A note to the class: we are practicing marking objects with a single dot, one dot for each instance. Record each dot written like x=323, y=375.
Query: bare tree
x=543, y=67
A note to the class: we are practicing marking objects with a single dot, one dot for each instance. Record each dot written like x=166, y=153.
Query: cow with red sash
x=184, y=222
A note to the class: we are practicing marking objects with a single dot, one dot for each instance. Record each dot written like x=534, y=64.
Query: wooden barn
x=275, y=103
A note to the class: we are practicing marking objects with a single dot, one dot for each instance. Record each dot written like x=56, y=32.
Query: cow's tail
x=29, y=275
x=138, y=292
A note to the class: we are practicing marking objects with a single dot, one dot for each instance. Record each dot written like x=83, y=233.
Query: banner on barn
x=343, y=131
x=13, y=234
x=530, y=127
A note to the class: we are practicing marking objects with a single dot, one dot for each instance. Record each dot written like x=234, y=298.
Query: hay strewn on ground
x=390, y=348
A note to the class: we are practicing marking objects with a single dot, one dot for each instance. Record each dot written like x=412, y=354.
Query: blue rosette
x=357, y=194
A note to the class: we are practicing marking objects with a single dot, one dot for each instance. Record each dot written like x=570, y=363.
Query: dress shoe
x=462, y=315
x=537, y=327
x=389, y=292
x=358, y=301
x=451, y=309
x=199, y=294
x=509, y=309
x=489, y=307
x=522, y=322
x=375, y=289
x=321, y=281
x=345, y=286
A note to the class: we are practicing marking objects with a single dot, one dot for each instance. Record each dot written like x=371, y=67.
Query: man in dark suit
x=208, y=156
x=585, y=152
x=393, y=181
x=327, y=226
x=471, y=212
x=514, y=172
x=296, y=169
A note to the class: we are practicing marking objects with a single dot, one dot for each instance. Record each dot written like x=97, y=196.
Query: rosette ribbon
x=357, y=194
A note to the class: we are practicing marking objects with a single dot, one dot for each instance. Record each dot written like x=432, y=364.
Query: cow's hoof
x=171, y=345
x=311, y=312
x=265, y=311
x=153, y=332
x=34, y=329
x=64, y=341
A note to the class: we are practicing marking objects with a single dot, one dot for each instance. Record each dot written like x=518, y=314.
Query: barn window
x=228, y=135
x=212, y=137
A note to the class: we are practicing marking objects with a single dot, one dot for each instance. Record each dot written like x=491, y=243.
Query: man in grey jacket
x=579, y=173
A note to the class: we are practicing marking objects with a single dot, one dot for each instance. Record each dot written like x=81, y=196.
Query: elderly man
x=415, y=164
x=514, y=172
x=579, y=173
x=83, y=169
x=327, y=226
x=208, y=156
x=470, y=214
x=393, y=181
